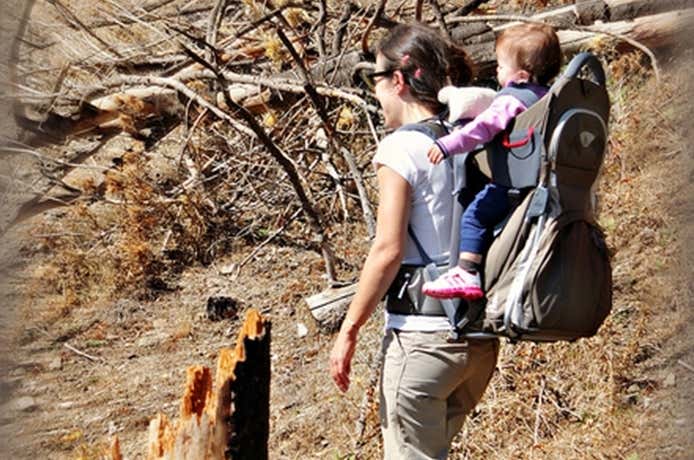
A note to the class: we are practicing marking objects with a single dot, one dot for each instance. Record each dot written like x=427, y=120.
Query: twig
x=189, y=93
x=418, y=10
x=367, y=399
x=81, y=353
x=312, y=214
x=365, y=38
x=215, y=20
x=538, y=413
x=309, y=87
x=440, y=17
x=635, y=43
x=470, y=7
x=685, y=365
x=76, y=22
x=287, y=85
x=148, y=9
x=35, y=154
x=318, y=29
x=361, y=190
x=320, y=109
x=343, y=22
x=268, y=239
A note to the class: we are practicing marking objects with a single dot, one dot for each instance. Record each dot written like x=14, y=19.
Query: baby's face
x=507, y=69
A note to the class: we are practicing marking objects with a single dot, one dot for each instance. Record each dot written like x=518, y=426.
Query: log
x=657, y=31
x=328, y=307
x=225, y=418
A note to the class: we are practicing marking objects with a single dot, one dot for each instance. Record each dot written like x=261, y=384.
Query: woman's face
x=387, y=94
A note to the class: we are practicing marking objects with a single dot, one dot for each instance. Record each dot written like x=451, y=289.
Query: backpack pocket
x=515, y=158
x=568, y=289
x=405, y=297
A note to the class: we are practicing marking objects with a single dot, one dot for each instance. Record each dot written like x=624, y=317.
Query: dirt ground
x=69, y=383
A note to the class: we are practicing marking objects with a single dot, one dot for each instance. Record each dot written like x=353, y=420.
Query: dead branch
x=440, y=18
x=312, y=214
x=276, y=233
x=75, y=22
x=215, y=20
x=418, y=10
x=365, y=38
x=81, y=353
x=342, y=25
x=469, y=7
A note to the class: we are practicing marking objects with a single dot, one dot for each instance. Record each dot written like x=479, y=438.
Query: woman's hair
x=427, y=60
x=534, y=48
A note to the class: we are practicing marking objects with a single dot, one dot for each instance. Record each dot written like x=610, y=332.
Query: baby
x=528, y=57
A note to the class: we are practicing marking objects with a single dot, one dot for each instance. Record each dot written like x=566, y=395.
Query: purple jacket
x=488, y=124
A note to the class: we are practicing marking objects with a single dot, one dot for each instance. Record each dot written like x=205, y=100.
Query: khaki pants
x=428, y=386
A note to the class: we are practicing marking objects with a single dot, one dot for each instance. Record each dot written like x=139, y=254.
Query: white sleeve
x=395, y=152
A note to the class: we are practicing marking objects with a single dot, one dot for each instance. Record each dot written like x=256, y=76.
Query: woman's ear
x=398, y=80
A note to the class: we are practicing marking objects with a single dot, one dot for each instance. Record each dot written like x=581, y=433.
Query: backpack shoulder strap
x=433, y=128
x=520, y=92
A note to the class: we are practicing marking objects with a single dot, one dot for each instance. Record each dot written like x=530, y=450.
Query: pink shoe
x=456, y=282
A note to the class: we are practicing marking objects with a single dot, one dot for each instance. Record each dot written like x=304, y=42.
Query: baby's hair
x=427, y=60
x=534, y=48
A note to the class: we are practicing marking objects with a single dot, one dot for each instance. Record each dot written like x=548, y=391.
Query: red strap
x=519, y=143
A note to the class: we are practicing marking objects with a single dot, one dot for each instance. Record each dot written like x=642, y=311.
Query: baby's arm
x=483, y=128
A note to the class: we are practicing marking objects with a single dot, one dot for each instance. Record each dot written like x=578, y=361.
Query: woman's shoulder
x=405, y=140
x=405, y=152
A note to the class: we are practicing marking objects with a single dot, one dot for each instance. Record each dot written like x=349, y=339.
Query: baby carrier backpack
x=547, y=274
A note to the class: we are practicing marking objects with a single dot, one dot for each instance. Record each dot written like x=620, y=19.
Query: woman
x=427, y=384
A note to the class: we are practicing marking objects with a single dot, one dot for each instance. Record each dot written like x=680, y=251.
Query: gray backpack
x=547, y=275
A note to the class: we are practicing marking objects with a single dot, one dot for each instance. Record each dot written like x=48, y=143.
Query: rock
x=56, y=364
x=221, y=307
x=301, y=330
x=24, y=404
x=227, y=269
x=669, y=380
x=149, y=340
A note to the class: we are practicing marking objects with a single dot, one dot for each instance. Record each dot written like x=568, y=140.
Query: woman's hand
x=435, y=154
x=341, y=354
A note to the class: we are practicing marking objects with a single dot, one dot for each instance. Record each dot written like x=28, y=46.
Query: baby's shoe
x=456, y=282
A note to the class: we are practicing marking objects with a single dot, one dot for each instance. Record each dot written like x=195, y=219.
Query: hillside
x=131, y=218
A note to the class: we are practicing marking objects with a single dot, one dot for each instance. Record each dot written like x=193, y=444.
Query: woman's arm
x=379, y=270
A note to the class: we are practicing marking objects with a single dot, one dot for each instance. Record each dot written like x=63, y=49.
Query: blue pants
x=489, y=208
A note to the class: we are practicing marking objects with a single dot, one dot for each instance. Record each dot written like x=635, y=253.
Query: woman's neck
x=414, y=111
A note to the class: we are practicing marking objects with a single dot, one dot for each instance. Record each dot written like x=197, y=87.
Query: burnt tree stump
x=226, y=416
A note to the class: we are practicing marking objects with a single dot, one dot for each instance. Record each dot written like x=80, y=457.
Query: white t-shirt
x=430, y=216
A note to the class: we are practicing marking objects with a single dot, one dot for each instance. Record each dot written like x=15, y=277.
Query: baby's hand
x=435, y=154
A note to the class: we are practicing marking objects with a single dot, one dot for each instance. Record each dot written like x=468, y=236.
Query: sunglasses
x=369, y=76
